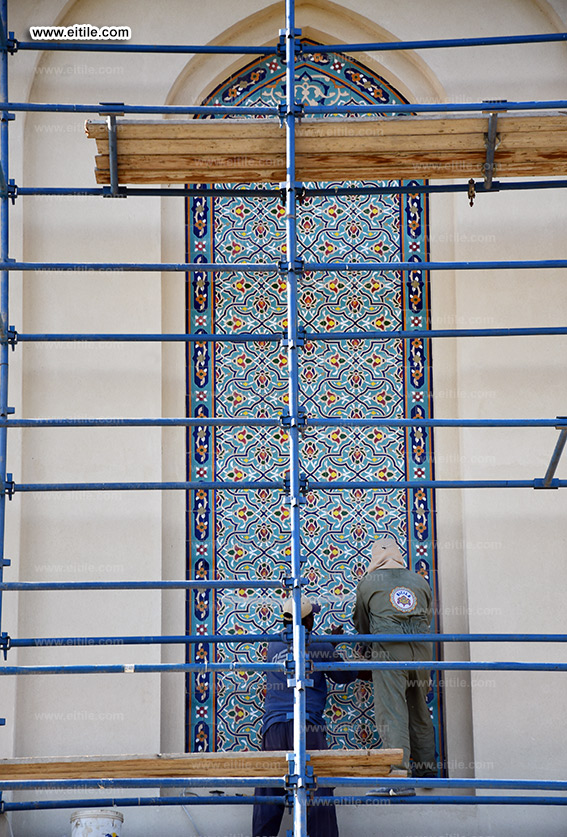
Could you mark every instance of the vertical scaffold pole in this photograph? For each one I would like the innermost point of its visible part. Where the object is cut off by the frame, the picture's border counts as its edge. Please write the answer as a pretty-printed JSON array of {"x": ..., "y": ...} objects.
[
  {"x": 4, "y": 281},
  {"x": 299, "y": 715}
]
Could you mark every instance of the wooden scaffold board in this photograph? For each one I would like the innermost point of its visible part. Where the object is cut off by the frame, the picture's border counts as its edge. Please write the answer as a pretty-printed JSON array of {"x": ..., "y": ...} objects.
[
  {"x": 331, "y": 763},
  {"x": 404, "y": 147}
]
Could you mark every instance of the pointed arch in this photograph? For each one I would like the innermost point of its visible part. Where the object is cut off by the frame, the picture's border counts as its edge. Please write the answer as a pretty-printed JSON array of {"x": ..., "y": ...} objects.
[{"x": 245, "y": 534}]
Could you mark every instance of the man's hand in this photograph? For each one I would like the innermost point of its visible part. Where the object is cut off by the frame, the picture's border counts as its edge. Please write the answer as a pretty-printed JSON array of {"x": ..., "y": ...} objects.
[{"x": 336, "y": 629}]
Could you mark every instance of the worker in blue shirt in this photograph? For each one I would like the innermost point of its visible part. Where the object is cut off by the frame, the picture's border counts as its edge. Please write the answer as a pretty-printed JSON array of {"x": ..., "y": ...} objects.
[{"x": 277, "y": 726}]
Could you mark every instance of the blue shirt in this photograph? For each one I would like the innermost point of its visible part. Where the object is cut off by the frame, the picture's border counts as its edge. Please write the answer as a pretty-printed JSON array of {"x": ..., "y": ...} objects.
[{"x": 278, "y": 705}]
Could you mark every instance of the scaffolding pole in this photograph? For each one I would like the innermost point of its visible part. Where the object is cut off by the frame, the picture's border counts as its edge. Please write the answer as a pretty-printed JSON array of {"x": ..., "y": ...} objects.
[
  {"x": 298, "y": 783},
  {"x": 297, "y": 677},
  {"x": 4, "y": 288}
]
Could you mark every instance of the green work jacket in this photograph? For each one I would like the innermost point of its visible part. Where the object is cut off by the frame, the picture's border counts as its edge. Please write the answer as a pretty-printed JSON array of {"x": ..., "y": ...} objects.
[{"x": 395, "y": 601}]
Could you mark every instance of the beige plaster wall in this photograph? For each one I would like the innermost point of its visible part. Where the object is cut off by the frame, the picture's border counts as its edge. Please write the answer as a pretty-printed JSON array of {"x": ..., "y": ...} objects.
[{"x": 502, "y": 554}]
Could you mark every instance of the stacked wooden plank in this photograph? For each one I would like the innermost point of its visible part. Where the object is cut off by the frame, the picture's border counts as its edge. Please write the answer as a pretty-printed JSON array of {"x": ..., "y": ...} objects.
[
  {"x": 403, "y": 147},
  {"x": 332, "y": 763}
]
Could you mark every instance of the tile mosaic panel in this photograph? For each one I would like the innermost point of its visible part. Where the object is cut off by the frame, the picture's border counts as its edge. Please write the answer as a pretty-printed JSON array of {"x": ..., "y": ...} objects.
[{"x": 246, "y": 533}]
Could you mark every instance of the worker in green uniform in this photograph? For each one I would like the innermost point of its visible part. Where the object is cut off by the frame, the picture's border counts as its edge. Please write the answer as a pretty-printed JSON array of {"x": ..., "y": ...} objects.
[{"x": 392, "y": 599}]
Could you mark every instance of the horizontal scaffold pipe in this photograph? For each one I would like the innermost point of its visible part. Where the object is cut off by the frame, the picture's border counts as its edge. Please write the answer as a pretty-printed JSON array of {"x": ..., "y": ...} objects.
[
  {"x": 439, "y": 43},
  {"x": 244, "y": 337},
  {"x": 142, "y": 422},
  {"x": 447, "y": 107},
  {"x": 178, "y": 192},
  {"x": 427, "y": 422},
  {"x": 425, "y": 665},
  {"x": 390, "y": 484},
  {"x": 345, "y": 665},
  {"x": 267, "y": 337},
  {"x": 162, "y": 782},
  {"x": 382, "y": 485},
  {"x": 414, "y": 782},
  {"x": 263, "y": 267},
  {"x": 120, "y": 110},
  {"x": 87, "y": 641},
  {"x": 440, "y": 800},
  {"x": 265, "y": 781},
  {"x": 431, "y": 637},
  {"x": 139, "y": 801},
  {"x": 432, "y": 189},
  {"x": 159, "y": 267},
  {"x": 193, "y": 584},
  {"x": 276, "y": 422},
  {"x": 275, "y": 194},
  {"x": 306, "y": 49},
  {"x": 146, "y": 486},
  {"x": 59, "y": 46},
  {"x": 103, "y": 802},
  {"x": 224, "y": 110},
  {"x": 46, "y": 642},
  {"x": 145, "y": 668},
  {"x": 431, "y": 333}
]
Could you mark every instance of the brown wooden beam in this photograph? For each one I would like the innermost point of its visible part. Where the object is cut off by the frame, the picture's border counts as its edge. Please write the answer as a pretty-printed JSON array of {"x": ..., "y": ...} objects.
[
  {"x": 230, "y": 151},
  {"x": 332, "y": 763}
]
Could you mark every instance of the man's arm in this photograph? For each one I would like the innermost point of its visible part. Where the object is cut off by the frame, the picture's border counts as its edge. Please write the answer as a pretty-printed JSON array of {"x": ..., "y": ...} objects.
[
  {"x": 326, "y": 653},
  {"x": 360, "y": 616}
]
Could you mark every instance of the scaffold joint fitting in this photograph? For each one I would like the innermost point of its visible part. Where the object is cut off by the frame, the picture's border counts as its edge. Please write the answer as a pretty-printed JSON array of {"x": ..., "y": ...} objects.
[
  {"x": 9, "y": 486},
  {"x": 298, "y": 420},
  {"x": 281, "y": 46},
  {"x": 12, "y": 44},
  {"x": 299, "y": 342},
  {"x": 12, "y": 191},
  {"x": 108, "y": 109},
  {"x": 297, "y": 110},
  {"x": 541, "y": 483},
  {"x": 293, "y": 780},
  {"x": 288, "y": 267},
  {"x": 5, "y": 643},
  {"x": 12, "y": 337}
]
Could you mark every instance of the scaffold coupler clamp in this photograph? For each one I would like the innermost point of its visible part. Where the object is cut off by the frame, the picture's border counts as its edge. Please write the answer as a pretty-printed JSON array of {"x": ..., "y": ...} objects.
[
  {"x": 298, "y": 343},
  {"x": 303, "y": 486},
  {"x": 5, "y": 644},
  {"x": 9, "y": 486},
  {"x": 281, "y": 46},
  {"x": 472, "y": 191},
  {"x": 294, "y": 781},
  {"x": 285, "y": 267},
  {"x": 12, "y": 191},
  {"x": 12, "y": 337},
  {"x": 11, "y": 44},
  {"x": 297, "y": 110}
]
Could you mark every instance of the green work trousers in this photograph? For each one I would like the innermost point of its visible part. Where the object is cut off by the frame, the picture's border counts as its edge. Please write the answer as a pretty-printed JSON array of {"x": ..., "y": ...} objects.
[{"x": 402, "y": 715}]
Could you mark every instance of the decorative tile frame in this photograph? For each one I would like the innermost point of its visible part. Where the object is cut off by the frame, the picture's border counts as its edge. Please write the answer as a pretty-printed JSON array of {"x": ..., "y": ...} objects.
[{"x": 246, "y": 534}]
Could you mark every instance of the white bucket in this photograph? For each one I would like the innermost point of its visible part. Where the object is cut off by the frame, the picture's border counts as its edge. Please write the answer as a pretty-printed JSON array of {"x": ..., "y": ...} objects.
[{"x": 96, "y": 822}]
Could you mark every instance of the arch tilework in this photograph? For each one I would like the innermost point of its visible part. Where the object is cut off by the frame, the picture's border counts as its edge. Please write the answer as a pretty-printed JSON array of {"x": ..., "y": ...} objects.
[{"x": 246, "y": 534}]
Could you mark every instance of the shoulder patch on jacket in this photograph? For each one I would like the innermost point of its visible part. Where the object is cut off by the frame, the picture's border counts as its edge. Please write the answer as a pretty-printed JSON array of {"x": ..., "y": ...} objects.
[{"x": 403, "y": 599}]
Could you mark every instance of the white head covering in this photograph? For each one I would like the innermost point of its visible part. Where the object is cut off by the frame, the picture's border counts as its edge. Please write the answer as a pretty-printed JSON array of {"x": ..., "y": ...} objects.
[
  {"x": 307, "y": 606},
  {"x": 386, "y": 555}
]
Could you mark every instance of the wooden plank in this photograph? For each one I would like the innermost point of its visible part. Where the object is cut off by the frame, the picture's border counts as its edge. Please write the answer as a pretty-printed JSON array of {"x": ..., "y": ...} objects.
[
  {"x": 352, "y": 763},
  {"x": 310, "y": 145},
  {"x": 347, "y": 128},
  {"x": 329, "y": 145},
  {"x": 229, "y": 151},
  {"x": 269, "y": 168}
]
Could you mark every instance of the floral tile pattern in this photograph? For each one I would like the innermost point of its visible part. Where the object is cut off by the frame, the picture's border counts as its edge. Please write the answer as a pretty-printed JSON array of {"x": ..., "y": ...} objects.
[{"x": 245, "y": 534}]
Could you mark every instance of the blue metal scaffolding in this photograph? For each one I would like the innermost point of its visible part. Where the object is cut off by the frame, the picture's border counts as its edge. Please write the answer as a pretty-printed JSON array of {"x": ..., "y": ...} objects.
[{"x": 298, "y": 781}]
